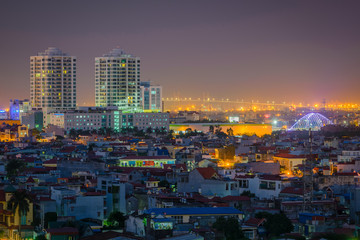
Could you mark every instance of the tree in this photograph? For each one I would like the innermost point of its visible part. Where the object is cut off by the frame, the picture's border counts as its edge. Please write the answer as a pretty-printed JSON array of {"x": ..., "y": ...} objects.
[
  {"x": 149, "y": 130},
  {"x": 181, "y": 134},
  {"x": 211, "y": 129},
  {"x": 91, "y": 147},
  {"x": 35, "y": 132},
  {"x": 170, "y": 135},
  {"x": 230, "y": 132},
  {"x": 276, "y": 224},
  {"x": 73, "y": 133},
  {"x": 219, "y": 132},
  {"x": 157, "y": 131},
  {"x": 49, "y": 217},
  {"x": 163, "y": 131},
  {"x": 331, "y": 236},
  {"x": 59, "y": 138},
  {"x": 20, "y": 202},
  {"x": 124, "y": 130},
  {"x": 14, "y": 167},
  {"x": 230, "y": 227},
  {"x": 164, "y": 183},
  {"x": 102, "y": 131},
  {"x": 116, "y": 220},
  {"x": 40, "y": 237},
  {"x": 109, "y": 132}
]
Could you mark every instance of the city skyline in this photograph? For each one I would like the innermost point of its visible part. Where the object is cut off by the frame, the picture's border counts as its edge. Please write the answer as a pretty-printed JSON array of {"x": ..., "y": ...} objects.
[{"x": 279, "y": 51}]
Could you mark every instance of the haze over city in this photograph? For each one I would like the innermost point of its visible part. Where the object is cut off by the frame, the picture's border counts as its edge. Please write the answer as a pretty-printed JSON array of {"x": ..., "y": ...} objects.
[{"x": 301, "y": 51}]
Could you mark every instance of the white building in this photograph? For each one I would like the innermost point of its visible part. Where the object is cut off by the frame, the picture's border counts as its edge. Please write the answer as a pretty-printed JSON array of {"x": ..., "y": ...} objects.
[
  {"x": 89, "y": 119},
  {"x": 348, "y": 156},
  {"x": 68, "y": 203},
  {"x": 145, "y": 120},
  {"x": 117, "y": 81},
  {"x": 53, "y": 80},
  {"x": 151, "y": 96},
  {"x": 263, "y": 186},
  {"x": 97, "y": 118}
]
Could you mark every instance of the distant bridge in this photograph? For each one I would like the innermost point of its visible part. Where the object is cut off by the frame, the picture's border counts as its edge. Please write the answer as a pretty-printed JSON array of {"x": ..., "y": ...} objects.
[
  {"x": 222, "y": 104},
  {"x": 210, "y": 104}
]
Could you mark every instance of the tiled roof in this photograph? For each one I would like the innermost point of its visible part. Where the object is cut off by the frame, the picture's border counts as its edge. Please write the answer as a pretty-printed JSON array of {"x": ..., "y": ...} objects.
[
  {"x": 292, "y": 190},
  {"x": 270, "y": 177},
  {"x": 256, "y": 222},
  {"x": 30, "y": 180},
  {"x": 103, "y": 236},
  {"x": 147, "y": 157},
  {"x": 51, "y": 161},
  {"x": 346, "y": 174},
  {"x": 93, "y": 194},
  {"x": 207, "y": 173},
  {"x": 63, "y": 231},
  {"x": 244, "y": 176},
  {"x": 288, "y": 155},
  {"x": 151, "y": 179},
  {"x": 177, "y": 166},
  {"x": 195, "y": 211},
  {"x": 235, "y": 198}
]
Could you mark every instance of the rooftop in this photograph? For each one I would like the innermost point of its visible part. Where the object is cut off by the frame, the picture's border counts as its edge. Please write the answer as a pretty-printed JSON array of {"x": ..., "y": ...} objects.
[{"x": 195, "y": 211}]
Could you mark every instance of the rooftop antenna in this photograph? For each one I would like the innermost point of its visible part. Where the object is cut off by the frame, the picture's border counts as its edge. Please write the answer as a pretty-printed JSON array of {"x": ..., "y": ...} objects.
[{"x": 308, "y": 178}]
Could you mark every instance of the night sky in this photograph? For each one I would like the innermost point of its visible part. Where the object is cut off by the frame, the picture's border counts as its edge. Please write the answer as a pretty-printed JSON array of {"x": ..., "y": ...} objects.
[{"x": 267, "y": 50}]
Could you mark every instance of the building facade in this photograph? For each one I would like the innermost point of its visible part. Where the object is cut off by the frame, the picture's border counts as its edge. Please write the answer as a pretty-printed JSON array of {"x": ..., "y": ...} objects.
[
  {"x": 97, "y": 118},
  {"x": 53, "y": 80},
  {"x": 91, "y": 119},
  {"x": 18, "y": 108},
  {"x": 151, "y": 97},
  {"x": 117, "y": 81}
]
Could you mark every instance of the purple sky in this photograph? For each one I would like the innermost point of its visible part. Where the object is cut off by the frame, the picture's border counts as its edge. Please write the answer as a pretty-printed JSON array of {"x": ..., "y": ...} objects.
[{"x": 266, "y": 50}]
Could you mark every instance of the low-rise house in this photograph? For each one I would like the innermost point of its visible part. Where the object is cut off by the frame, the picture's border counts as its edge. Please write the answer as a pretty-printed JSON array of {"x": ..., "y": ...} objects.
[
  {"x": 289, "y": 161},
  {"x": 191, "y": 182},
  {"x": 292, "y": 209},
  {"x": 264, "y": 186},
  {"x": 203, "y": 216},
  {"x": 115, "y": 192},
  {"x": 10, "y": 220},
  {"x": 62, "y": 233},
  {"x": 253, "y": 228}
]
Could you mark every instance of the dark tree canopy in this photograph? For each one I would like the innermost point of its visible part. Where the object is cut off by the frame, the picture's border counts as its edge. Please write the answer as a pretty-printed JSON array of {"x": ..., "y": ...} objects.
[
  {"x": 116, "y": 220},
  {"x": 230, "y": 227},
  {"x": 49, "y": 217},
  {"x": 14, "y": 167},
  {"x": 276, "y": 224}
]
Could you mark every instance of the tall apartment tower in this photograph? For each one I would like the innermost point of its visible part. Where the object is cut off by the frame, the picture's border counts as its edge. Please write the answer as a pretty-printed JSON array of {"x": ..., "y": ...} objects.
[
  {"x": 151, "y": 97},
  {"x": 117, "y": 81},
  {"x": 53, "y": 80}
]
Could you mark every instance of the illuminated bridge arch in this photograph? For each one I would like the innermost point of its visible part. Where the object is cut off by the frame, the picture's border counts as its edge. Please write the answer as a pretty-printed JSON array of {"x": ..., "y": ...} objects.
[{"x": 315, "y": 121}]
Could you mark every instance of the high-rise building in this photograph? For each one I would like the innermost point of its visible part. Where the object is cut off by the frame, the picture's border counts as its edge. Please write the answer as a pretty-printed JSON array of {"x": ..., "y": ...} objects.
[
  {"x": 117, "y": 81},
  {"x": 53, "y": 80},
  {"x": 151, "y": 96}
]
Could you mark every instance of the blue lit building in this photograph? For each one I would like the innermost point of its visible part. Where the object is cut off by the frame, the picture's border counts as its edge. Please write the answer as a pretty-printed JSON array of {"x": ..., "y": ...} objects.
[
  {"x": 3, "y": 114},
  {"x": 18, "y": 107}
]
